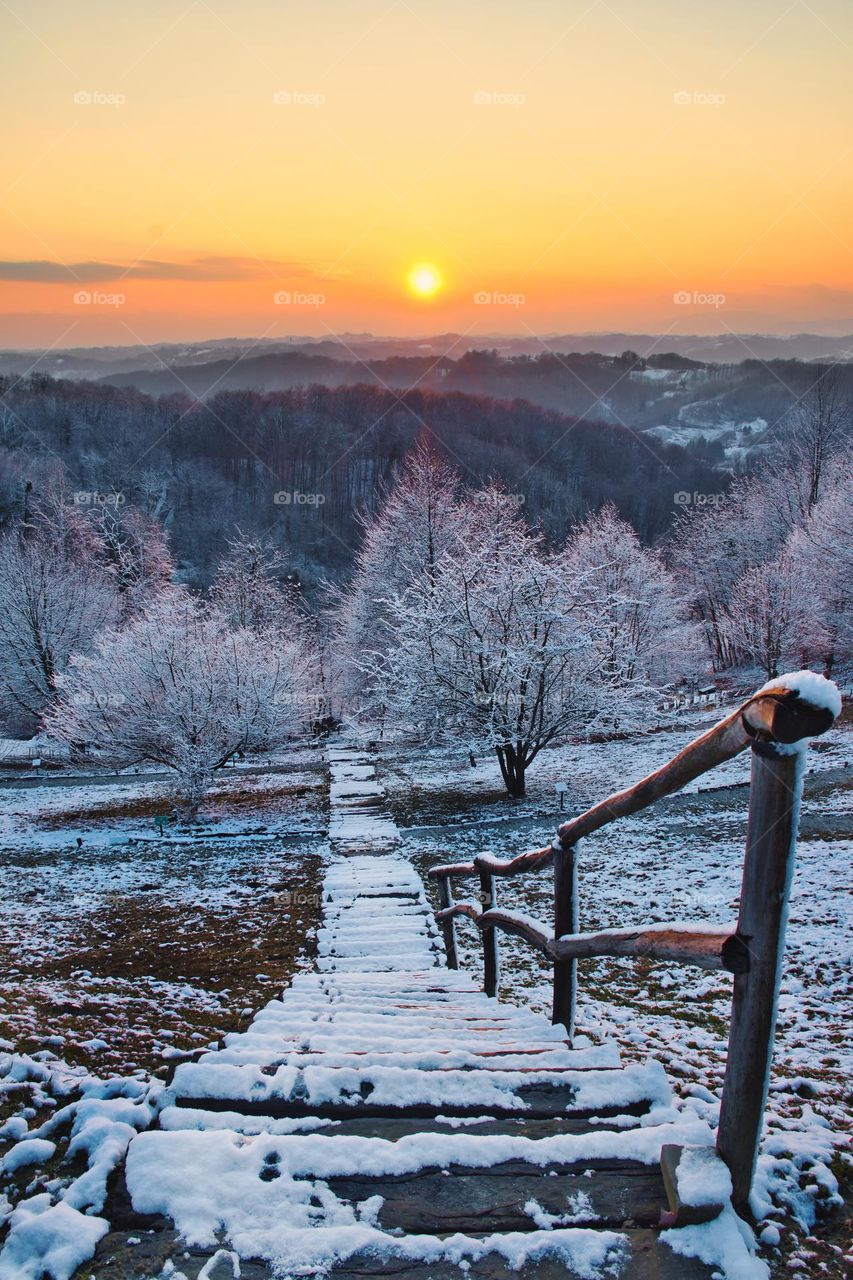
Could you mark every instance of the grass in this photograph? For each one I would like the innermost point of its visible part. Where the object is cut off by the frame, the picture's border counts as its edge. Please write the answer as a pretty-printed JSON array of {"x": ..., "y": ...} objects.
[{"x": 218, "y": 803}]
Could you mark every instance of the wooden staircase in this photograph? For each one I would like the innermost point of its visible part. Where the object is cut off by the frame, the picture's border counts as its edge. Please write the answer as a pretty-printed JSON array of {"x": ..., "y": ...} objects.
[{"x": 386, "y": 1118}]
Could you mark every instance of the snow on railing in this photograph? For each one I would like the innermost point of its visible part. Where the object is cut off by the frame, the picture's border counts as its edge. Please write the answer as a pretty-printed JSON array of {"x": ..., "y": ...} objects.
[{"x": 775, "y": 723}]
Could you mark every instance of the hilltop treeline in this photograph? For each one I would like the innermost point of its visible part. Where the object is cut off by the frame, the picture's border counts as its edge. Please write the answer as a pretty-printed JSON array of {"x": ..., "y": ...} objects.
[{"x": 301, "y": 464}]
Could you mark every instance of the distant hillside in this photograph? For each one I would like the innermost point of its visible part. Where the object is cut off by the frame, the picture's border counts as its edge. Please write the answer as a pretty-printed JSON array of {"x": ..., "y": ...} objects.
[
  {"x": 727, "y": 348},
  {"x": 729, "y": 413},
  {"x": 302, "y": 463}
]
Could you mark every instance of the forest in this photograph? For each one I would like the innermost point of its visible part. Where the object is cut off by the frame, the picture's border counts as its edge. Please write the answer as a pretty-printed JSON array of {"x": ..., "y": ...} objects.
[{"x": 301, "y": 465}]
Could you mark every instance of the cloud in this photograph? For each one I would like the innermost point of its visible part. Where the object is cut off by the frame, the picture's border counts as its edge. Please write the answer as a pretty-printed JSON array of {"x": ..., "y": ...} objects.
[{"x": 204, "y": 270}]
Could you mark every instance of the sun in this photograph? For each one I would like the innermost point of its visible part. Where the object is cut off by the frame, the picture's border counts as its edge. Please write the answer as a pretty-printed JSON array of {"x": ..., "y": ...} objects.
[{"x": 425, "y": 280}]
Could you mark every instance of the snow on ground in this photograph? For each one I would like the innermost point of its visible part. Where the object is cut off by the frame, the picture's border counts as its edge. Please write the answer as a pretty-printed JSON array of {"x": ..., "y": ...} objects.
[
  {"x": 118, "y": 959},
  {"x": 680, "y": 860}
]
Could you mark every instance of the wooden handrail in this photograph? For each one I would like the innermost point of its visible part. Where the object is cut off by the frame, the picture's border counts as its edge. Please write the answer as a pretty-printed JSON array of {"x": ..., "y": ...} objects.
[
  {"x": 702, "y": 945},
  {"x": 469, "y": 909},
  {"x": 771, "y": 715},
  {"x": 770, "y": 722},
  {"x": 451, "y": 869},
  {"x": 705, "y": 946}
]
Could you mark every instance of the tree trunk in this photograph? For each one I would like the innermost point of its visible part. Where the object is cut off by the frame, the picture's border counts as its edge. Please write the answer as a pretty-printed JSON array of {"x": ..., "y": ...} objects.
[
  {"x": 513, "y": 765},
  {"x": 193, "y": 784}
]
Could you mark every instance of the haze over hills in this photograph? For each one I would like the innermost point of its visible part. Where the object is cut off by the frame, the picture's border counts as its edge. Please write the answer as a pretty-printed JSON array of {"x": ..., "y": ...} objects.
[
  {"x": 726, "y": 348},
  {"x": 728, "y": 408}
]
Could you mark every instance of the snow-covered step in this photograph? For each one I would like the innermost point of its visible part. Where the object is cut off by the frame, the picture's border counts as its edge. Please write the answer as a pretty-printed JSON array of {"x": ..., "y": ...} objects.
[
  {"x": 285, "y": 1090},
  {"x": 392, "y": 1128},
  {"x": 316, "y": 1198},
  {"x": 359, "y": 818},
  {"x": 424, "y": 1059}
]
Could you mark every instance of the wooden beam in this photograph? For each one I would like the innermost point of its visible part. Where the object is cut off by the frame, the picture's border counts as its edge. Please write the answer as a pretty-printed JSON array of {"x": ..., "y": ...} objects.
[
  {"x": 509, "y": 922},
  {"x": 682, "y": 1213},
  {"x": 451, "y": 869},
  {"x": 469, "y": 909},
  {"x": 448, "y": 923},
  {"x": 490, "y": 937},
  {"x": 534, "y": 860},
  {"x": 709, "y": 949},
  {"x": 767, "y": 871},
  {"x": 564, "y": 994}
]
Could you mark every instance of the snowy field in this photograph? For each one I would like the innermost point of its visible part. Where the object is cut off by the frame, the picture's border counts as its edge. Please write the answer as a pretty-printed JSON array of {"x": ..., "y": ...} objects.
[
  {"x": 681, "y": 860},
  {"x": 124, "y": 954}
]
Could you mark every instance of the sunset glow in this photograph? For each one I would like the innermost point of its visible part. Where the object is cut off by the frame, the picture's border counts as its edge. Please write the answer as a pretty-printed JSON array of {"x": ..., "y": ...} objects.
[
  {"x": 424, "y": 280},
  {"x": 599, "y": 160}
]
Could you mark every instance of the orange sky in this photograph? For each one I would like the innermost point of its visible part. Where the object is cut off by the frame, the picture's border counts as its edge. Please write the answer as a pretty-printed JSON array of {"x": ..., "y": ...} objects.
[{"x": 171, "y": 170}]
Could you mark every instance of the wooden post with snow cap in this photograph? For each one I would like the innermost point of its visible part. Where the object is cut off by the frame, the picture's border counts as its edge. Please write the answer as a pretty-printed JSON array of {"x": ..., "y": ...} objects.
[
  {"x": 804, "y": 706},
  {"x": 565, "y": 921},
  {"x": 448, "y": 923},
  {"x": 488, "y": 900}
]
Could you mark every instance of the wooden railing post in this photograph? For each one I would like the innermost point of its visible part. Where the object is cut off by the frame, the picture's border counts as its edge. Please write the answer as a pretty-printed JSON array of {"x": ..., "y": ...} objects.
[
  {"x": 774, "y": 801},
  {"x": 448, "y": 924},
  {"x": 488, "y": 899},
  {"x": 565, "y": 921}
]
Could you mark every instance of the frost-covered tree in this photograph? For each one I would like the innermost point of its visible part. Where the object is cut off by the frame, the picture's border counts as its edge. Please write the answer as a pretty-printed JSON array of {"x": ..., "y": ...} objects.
[
  {"x": 821, "y": 553},
  {"x": 763, "y": 613},
  {"x": 250, "y": 586},
  {"x": 134, "y": 551},
  {"x": 254, "y": 590},
  {"x": 628, "y": 600},
  {"x": 54, "y": 602},
  {"x": 814, "y": 435},
  {"x": 415, "y": 524},
  {"x": 178, "y": 687},
  {"x": 718, "y": 549},
  {"x": 488, "y": 645}
]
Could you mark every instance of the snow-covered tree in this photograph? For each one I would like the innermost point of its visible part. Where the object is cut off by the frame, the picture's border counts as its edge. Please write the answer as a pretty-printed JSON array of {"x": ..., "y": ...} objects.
[
  {"x": 821, "y": 553},
  {"x": 250, "y": 585},
  {"x": 488, "y": 646},
  {"x": 628, "y": 600},
  {"x": 814, "y": 435},
  {"x": 179, "y": 687},
  {"x": 254, "y": 590},
  {"x": 134, "y": 551},
  {"x": 718, "y": 549},
  {"x": 763, "y": 613},
  {"x": 52, "y": 605},
  {"x": 415, "y": 524}
]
